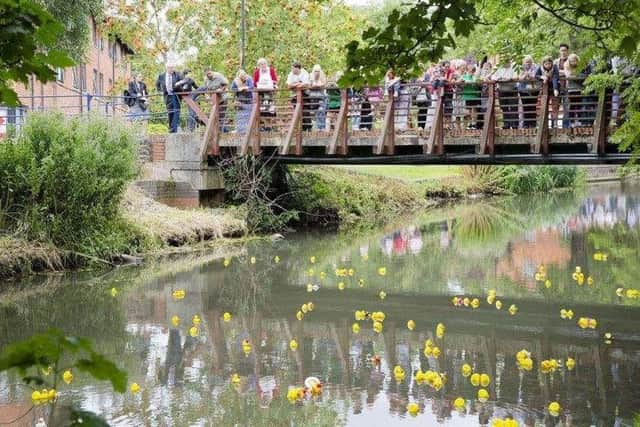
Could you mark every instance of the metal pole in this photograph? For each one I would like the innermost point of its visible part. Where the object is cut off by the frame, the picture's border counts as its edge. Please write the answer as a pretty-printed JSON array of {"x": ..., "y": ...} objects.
[{"x": 243, "y": 33}]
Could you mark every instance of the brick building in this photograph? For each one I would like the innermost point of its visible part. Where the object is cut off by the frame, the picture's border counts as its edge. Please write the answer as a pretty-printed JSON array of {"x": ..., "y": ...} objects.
[{"x": 84, "y": 87}]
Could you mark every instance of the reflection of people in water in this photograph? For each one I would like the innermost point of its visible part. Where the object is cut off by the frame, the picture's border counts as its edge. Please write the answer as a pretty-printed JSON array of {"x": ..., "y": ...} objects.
[
  {"x": 172, "y": 373},
  {"x": 415, "y": 241},
  {"x": 399, "y": 243},
  {"x": 446, "y": 233}
]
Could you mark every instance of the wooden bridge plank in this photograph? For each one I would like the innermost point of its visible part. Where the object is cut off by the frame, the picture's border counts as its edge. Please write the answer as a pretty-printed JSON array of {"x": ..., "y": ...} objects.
[
  {"x": 294, "y": 128},
  {"x": 210, "y": 145},
  {"x": 601, "y": 126},
  {"x": 388, "y": 130},
  {"x": 340, "y": 133},
  {"x": 252, "y": 138},
  {"x": 435, "y": 142},
  {"x": 542, "y": 138},
  {"x": 487, "y": 139}
]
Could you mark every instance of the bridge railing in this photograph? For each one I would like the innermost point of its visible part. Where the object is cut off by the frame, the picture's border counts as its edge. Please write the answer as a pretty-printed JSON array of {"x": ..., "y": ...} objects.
[{"x": 430, "y": 115}]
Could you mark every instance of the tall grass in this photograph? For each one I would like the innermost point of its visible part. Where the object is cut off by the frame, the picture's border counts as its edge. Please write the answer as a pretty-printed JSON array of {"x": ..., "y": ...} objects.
[
  {"x": 62, "y": 180},
  {"x": 518, "y": 179}
]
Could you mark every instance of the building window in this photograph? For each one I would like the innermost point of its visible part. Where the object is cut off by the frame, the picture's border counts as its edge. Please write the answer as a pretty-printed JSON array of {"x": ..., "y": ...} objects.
[
  {"x": 75, "y": 77},
  {"x": 110, "y": 47},
  {"x": 83, "y": 78},
  {"x": 101, "y": 43},
  {"x": 60, "y": 74},
  {"x": 101, "y": 84},
  {"x": 94, "y": 82}
]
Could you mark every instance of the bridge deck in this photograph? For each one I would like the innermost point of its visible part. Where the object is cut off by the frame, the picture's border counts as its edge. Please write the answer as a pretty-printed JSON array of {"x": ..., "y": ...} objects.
[{"x": 525, "y": 128}]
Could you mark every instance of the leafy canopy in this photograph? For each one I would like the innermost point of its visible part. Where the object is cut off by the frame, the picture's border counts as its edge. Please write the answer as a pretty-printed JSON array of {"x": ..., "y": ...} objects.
[{"x": 28, "y": 37}]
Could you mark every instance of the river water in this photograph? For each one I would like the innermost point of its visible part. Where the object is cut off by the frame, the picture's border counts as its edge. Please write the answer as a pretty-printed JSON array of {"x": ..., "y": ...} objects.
[{"x": 466, "y": 250}]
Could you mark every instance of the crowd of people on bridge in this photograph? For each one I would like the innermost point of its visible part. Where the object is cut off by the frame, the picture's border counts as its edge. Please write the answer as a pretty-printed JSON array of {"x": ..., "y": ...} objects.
[{"x": 465, "y": 86}]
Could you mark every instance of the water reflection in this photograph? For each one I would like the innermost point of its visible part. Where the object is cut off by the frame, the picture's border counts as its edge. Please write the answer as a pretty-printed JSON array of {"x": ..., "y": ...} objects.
[{"x": 466, "y": 250}]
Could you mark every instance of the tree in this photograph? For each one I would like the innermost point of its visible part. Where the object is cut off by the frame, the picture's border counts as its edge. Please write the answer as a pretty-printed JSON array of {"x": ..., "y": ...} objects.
[
  {"x": 428, "y": 29},
  {"x": 28, "y": 35},
  {"x": 203, "y": 34}
]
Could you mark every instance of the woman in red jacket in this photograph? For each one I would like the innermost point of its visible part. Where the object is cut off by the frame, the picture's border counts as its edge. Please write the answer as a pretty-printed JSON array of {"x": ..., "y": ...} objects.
[{"x": 265, "y": 78}]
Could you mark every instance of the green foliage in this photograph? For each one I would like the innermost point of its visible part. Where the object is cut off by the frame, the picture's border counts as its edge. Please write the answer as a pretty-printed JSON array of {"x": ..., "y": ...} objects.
[
  {"x": 248, "y": 182},
  {"x": 337, "y": 197},
  {"x": 54, "y": 350},
  {"x": 28, "y": 37},
  {"x": 74, "y": 17},
  {"x": 517, "y": 179},
  {"x": 157, "y": 129},
  {"x": 207, "y": 34},
  {"x": 62, "y": 181}
]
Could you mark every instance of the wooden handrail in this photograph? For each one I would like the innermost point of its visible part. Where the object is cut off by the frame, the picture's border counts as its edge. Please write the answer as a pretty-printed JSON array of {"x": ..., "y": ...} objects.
[
  {"x": 542, "y": 137},
  {"x": 252, "y": 137},
  {"x": 294, "y": 128},
  {"x": 601, "y": 126},
  {"x": 211, "y": 137},
  {"x": 385, "y": 143},
  {"x": 435, "y": 142},
  {"x": 487, "y": 139},
  {"x": 341, "y": 132}
]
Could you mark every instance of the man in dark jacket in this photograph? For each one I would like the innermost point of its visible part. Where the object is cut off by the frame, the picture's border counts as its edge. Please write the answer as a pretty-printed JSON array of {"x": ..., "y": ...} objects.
[
  {"x": 137, "y": 98},
  {"x": 167, "y": 84}
]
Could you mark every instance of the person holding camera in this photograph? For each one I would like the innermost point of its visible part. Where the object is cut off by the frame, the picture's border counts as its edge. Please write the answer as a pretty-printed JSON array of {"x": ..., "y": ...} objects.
[{"x": 136, "y": 99}]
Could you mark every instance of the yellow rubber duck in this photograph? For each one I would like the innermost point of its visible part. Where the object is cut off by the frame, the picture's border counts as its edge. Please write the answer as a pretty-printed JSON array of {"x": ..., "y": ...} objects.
[
  {"x": 299, "y": 315},
  {"x": 323, "y": 275},
  {"x": 475, "y": 303},
  {"x": 226, "y": 262},
  {"x": 435, "y": 352},
  {"x": 246, "y": 347},
  {"x": 312, "y": 259},
  {"x": 361, "y": 282},
  {"x": 67, "y": 376},
  {"x": 378, "y": 316},
  {"x": 293, "y": 345},
  {"x": 179, "y": 294},
  {"x": 355, "y": 328},
  {"x": 459, "y": 404},
  {"x": 475, "y": 380},
  {"x": 413, "y": 409},
  {"x": 382, "y": 271},
  {"x": 547, "y": 284},
  {"x": 226, "y": 317},
  {"x": 466, "y": 370},
  {"x": 304, "y": 308},
  {"x": 341, "y": 286},
  {"x": 175, "y": 320},
  {"x": 570, "y": 363},
  {"x": 411, "y": 325},
  {"x": 195, "y": 320},
  {"x": 440, "y": 330},
  {"x": 252, "y": 260},
  {"x": 398, "y": 373},
  {"x": 382, "y": 294},
  {"x": 351, "y": 272},
  {"x": 193, "y": 331},
  {"x": 483, "y": 395},
  {"x": 114, "y": 292},
  {"x": 377, "y": 326},
  {"x": 513, "y": 309},
  {"x": 135, "y": 388},
  {"x": 276, "y": 259},
  {"x": 498, "y": 305},
  {"x": 360, "y": 315},
  {"x": 235, "y": 379},
  {"x": 485, "y": 380},
  {"x": 310, "y": 306},
  {"x": 554, "y": 409}
]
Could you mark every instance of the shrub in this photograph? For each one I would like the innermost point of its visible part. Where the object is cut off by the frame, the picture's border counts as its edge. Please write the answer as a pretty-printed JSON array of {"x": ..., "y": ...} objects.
[
  {"x": 62, "y": 180},
  {"x": 518, "y": 179}
]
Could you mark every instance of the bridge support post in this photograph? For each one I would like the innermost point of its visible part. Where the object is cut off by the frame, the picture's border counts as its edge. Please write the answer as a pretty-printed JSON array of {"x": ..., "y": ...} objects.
[
  {"x": 252, "y": 138},
  {"x": 601, "y": 126},
  {"x": 488, "y": 137},
  {"x": 340, "y": 137},
  {"x": 542, "y": 137},
  {"x": 294, "y": 128},
  {"x": 435, "y": 142},
  {"x": 386, "y": 141},
  {"x": 211, "y": 138}
]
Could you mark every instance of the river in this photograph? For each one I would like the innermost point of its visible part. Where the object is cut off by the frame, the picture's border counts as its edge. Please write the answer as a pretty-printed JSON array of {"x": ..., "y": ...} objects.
[{"x": 465, "y": 250}]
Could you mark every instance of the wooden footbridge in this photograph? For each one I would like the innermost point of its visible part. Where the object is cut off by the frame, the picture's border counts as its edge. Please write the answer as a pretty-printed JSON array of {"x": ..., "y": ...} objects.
[{"x": 492, "y": 127}]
